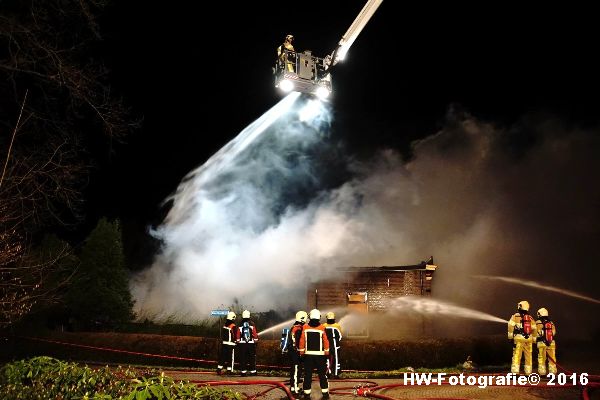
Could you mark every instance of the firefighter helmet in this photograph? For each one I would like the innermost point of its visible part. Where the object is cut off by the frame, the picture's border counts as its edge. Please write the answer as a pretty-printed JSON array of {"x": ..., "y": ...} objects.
[
  {"x": 315, "y": 314},
  {"x": 542, "y": 312},
  {"x": 246, "y": 314},
  {"x": 523, "y": 305},
  {"x": 330, "y": 315},
  {"x": 289, "y": 37},
  {"x": 231, "y": 315},
  {"x": 301, "y": 316}
]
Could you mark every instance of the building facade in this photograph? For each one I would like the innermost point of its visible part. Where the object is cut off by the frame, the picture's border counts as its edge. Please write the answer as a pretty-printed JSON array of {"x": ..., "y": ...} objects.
[{"x": 364, "y": 290}]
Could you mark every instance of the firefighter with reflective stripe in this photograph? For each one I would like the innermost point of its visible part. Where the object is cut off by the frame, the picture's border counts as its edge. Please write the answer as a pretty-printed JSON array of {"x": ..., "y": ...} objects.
[
  {"x": 291, "y": 348},
  {"x": 246, "y": 338},
  {"x": 286, "y": 54},
  {"x": 522, "y": 331},
  {"x": 546, "y": 345},
  {"x": 314, "y": 348},
  {"x": 228, "y": 339},
  {"x": 334, "y": 335}
]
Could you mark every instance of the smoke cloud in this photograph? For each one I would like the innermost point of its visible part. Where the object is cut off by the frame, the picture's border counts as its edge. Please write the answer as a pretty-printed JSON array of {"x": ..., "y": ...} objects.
[{"x": 258, "y": 220}]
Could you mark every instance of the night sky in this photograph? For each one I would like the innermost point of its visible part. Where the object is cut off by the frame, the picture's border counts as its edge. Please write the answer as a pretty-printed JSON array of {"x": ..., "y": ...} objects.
[{"x": 198, "y": 76}]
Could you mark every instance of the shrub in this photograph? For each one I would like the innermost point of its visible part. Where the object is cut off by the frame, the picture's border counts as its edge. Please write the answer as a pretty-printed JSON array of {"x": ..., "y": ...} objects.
[
  {"x": 45, "y": 378},
  {"x": 49, "y": 378}
]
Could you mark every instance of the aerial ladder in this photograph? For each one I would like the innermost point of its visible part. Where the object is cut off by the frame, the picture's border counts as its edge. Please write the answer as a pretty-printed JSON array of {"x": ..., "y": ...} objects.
[{"x": 306, "y": 73}]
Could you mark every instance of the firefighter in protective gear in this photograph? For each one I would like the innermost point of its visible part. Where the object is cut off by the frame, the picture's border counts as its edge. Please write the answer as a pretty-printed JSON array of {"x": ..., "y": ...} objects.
[
  {"x": 546, "y": 332},
  {"x": 314, "y": 347},
  {"x": 246, "y": 339},
  {"x": 286, "y": 54},
  {"x": 522, "y": 331},
  {"x": 334, "y": 335},
  {"x": 228, "y": 339},
  {"x": 291, "y": 348}
]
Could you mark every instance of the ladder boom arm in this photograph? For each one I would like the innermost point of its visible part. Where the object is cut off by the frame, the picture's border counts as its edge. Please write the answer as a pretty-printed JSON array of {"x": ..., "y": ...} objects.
[{"x": 352, "y": 33}]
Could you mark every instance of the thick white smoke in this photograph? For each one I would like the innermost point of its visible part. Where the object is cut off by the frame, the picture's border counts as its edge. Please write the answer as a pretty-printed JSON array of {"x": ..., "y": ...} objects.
[
  {"x": 480, "y": 198},
  {"x": 233, "y": 232}
]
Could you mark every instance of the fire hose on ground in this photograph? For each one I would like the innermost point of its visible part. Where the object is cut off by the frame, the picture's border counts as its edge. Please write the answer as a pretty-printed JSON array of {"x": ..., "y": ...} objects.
[{"x": 366, "y": 389}]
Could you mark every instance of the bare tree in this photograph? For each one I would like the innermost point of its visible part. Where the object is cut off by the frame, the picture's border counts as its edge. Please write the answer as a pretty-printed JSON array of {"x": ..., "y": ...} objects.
[
  {"x": 49, "y": 47},
  {"x": 48, "y": 51},
  {"x": 34, "y": 188}
]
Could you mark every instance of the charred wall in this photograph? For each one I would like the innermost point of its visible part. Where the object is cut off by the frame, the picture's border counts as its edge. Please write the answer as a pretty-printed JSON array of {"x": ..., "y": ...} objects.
[{"x": 381, "y": 286}]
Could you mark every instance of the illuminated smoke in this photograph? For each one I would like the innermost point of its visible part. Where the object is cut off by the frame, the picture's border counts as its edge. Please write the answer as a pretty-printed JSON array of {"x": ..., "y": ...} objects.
[
  {"x": 255, "y": 223},
  {"x": 233, "y": 231}
]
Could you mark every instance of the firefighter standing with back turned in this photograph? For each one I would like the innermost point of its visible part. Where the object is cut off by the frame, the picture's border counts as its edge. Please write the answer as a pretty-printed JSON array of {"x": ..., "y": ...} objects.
[
  {"x": 291, "y": 347},
  {"x": 522, "y": 331},
  {"x": 546, "y": 331},
  {"x": 314, "y": 347},
  {"x": 334, "y": 335},
  {"x": 228, "y": 339},
  {"x": 246, "y": 339}
]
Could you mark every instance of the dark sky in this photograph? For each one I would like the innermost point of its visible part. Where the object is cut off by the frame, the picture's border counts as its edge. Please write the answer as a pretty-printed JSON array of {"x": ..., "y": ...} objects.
[{"x": 198, "y": 77}]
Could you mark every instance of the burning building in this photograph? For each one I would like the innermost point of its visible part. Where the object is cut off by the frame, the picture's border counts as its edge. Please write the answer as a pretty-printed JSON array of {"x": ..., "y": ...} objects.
[{"x": 362, "y": 290}]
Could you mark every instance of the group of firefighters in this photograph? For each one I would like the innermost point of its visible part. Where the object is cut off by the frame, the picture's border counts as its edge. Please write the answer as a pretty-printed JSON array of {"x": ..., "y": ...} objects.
[
  {"x": 313, "y": 346},
  {"x": 240, "y": 340},
  {"x": 310, "y": 345},
  {"x": 523, "y": 331}
]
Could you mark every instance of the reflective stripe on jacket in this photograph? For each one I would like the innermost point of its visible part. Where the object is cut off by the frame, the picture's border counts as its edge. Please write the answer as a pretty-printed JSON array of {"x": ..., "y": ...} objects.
[
  {"x": 314, "y": 341},
  {"x": 228, "y": 334}
]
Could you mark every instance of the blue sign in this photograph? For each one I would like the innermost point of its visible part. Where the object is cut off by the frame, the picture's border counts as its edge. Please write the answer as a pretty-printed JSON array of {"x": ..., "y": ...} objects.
[{"x": 219, "y": 313}]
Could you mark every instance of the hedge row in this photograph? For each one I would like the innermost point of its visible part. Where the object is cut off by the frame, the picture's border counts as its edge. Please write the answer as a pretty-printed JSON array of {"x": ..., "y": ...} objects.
[{"x": 355, "y": 354}]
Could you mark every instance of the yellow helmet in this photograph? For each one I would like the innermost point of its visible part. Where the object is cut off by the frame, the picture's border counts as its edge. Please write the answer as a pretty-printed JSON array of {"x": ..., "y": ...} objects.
[
  {"x": 246, "y": 314},
  {"x": 542, "y": 312},
  {"x": 301, "y": 316},
  {"x": 523, "y": 305},
  {"x": 289, "y": 37},
  {"x": 330, "y": 315},
  {"x": 231, "y": 315}
]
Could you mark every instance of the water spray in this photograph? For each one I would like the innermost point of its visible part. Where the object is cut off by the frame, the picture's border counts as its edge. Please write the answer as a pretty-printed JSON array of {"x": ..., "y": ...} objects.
[
  {"x": 436, "y": 307},
  {"x": 288, "y": 323},
  {"x": 538, "y": 285},
  {"x": 223, "y": 159},
  {"x": 281, "y": 325},
  {"x": 226, "y": 215}
]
